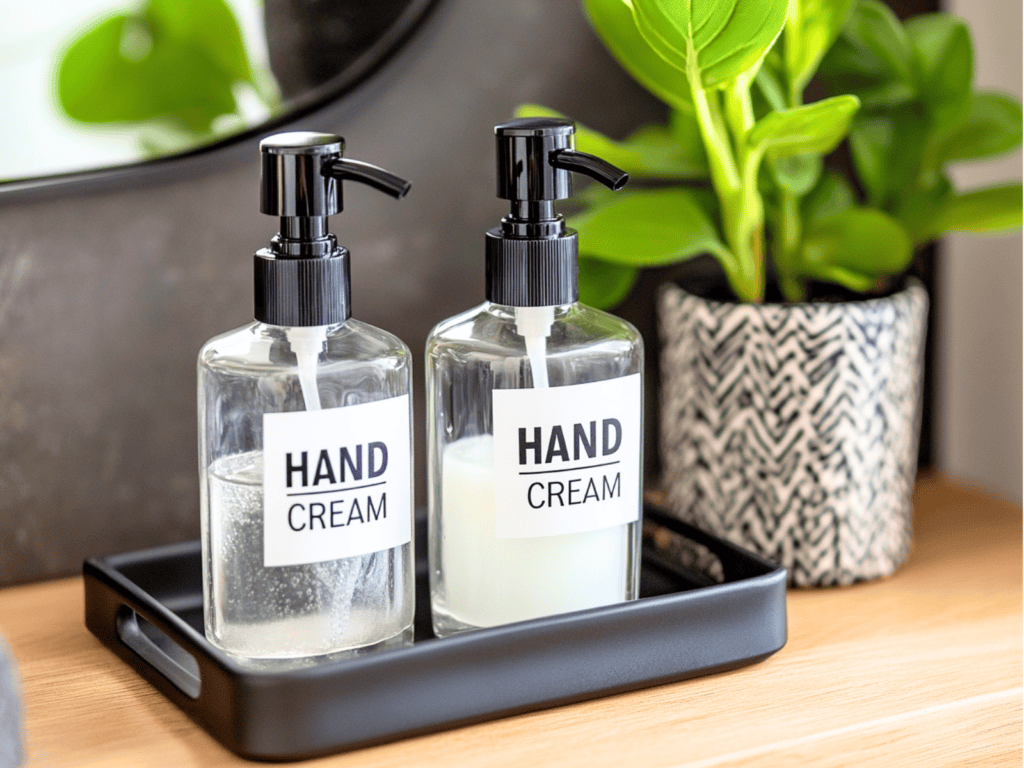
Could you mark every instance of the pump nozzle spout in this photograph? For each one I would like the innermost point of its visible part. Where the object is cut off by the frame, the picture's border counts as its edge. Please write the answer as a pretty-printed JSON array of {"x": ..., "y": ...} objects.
[
  {"x": 589, "y": 165},
  {"x": 344, "y": 169}
]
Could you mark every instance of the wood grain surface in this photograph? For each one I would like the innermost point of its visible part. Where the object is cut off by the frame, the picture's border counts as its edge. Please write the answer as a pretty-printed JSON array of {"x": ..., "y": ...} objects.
[{"x": 921, "y": 669}]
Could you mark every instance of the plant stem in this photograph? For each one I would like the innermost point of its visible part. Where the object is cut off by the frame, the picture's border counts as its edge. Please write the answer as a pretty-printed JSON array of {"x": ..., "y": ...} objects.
[
  {"x": 789, "y": 225},
  {"x": 749, "y": 226},
  {"x": 788, "y": 228},
  {"x": 740, "y": 111},
  {"x": 725, "y": 178},
  {"x": 741, "y": 217},
  {"x": 791, "y": 50},
  {"x": 724, "y": 174}
]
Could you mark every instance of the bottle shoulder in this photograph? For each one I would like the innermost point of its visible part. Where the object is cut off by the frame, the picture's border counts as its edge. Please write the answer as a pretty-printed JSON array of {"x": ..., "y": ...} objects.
[
  {"x": 607, "y": 324},
  {"x": 260, "y": 346},
  {"x": 458, "y": 326},
  {"x": 356, "y": 336},
  {"x": 492, "y": 329},
  {"x": 234, "y": 342}
]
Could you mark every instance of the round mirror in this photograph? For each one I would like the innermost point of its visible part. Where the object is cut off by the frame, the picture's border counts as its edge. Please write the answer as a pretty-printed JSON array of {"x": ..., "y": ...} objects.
[{"x": 101, "y": 84}]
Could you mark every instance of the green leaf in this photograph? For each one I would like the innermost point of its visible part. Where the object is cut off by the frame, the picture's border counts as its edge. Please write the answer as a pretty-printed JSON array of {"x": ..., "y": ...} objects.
[
  {"x": 614, "y": 23},
  {"x": 872, "y": 58},
  {"x": 853, "y": 245},
  {"x": 653, "y": 152},
  {"x": 665, "y": 155},
  {"x": 944, "y": 66},
  {"x": 169, "y": 61},
  {"x": 992, "y": 126},
  {"x": 830, "y": 195},
  {"x": 849, "y": 68},
  {"x": 604, "y": 285},
  {"x": 875, "y": 27},
  {"x": 845, "y": 71},
  {"x": 93, "y": 58},
  {"x": 210, "y": 26},
  {"x": 728, "y": 38},
  {"x": 992, "y": 210},
  {"x": 814, "y": 128},
  {"x": 647, "y": 229},
  {"x": 917, "y": 207},
  {"x": 813, "y": 27},
  {"x": 887, "y": 150},
  {"x": 870, "y": 141}
]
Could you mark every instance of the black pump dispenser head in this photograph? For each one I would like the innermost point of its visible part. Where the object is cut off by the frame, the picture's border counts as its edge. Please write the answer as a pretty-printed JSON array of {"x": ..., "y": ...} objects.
[
  {"x": 532, "y": 257},
  {"x": 302, "y": 279}
]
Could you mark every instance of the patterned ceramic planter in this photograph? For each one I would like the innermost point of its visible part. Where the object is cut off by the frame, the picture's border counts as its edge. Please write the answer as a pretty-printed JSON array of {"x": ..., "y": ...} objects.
[{"x": 793, "y": 429}]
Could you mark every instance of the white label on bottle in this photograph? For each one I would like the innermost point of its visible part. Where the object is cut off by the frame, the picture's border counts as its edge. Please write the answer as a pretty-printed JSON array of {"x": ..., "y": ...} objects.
[
  {"x": 567, "y": 459},
  {"x": 336, "y": 483}
]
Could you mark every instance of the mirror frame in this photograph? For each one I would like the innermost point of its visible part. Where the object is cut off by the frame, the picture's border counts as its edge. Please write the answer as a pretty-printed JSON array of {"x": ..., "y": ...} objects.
[{"x": 237, "y": 145}]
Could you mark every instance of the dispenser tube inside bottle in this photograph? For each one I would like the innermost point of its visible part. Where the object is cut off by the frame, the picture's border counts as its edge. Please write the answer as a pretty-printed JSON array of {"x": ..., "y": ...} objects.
[
  {"x": 307, "y": 343},
  {"x": 534, "y": 325}
]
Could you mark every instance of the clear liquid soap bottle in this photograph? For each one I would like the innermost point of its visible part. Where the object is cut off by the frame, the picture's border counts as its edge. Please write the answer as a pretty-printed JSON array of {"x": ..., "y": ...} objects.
[
  {"x": 534, "y": 415},
  {"x": 305, "y": 440}
]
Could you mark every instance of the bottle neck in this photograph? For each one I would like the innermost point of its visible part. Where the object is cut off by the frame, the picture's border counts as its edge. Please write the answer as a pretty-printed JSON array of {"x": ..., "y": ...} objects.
[{"x": 508, "y": 312}]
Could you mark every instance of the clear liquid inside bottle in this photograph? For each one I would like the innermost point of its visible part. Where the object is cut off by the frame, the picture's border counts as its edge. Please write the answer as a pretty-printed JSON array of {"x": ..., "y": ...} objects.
[{"x": 290, "y": 616}]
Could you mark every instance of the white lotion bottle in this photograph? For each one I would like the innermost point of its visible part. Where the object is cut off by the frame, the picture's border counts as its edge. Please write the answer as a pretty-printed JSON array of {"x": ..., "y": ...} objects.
[
  {"x": 534, "y": 415},
  {"x": 305, "y": 441}
]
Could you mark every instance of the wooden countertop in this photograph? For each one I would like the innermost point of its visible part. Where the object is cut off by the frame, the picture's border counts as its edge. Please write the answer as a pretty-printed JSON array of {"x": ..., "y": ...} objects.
[{"x": 923, "y": 669}]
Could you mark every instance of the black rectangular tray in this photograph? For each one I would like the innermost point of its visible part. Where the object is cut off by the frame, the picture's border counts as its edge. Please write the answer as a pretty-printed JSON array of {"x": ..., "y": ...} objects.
[{"x": 727, "y": 610}]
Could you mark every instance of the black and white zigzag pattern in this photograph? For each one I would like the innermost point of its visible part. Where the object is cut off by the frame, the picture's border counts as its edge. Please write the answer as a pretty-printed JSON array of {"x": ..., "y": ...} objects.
[{"x": 792, "y": 429}]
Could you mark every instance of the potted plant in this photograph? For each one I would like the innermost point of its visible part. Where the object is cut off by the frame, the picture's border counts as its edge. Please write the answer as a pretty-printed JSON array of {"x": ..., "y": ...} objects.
[{"x": 790, "y": 426}]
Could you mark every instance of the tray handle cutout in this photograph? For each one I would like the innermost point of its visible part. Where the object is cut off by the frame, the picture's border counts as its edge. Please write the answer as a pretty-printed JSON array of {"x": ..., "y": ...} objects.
[{"x": 158, "y": 650}]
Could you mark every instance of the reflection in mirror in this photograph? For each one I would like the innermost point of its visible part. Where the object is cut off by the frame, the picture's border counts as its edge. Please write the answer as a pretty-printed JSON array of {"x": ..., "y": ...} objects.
[{"x": 101, "y": 83}]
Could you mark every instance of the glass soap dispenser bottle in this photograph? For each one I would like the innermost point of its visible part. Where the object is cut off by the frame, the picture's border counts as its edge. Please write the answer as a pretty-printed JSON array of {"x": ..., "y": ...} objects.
[
  {"x": 534, "y": 415},
  {"x": 305, "y": 440}
]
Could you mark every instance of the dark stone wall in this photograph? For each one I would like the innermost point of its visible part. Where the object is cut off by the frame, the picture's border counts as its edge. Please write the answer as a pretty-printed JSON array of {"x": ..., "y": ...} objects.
[{"x": 107, "y": 296}]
